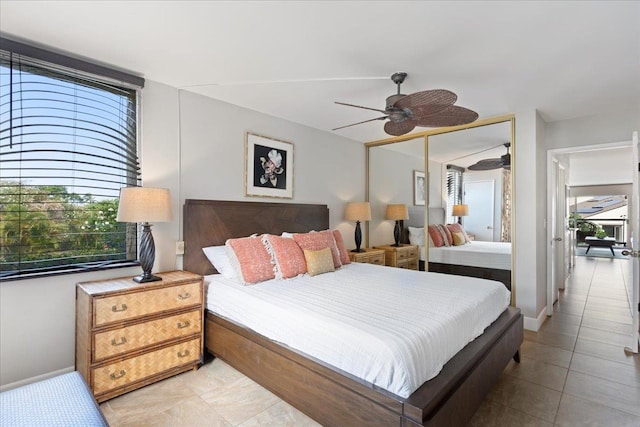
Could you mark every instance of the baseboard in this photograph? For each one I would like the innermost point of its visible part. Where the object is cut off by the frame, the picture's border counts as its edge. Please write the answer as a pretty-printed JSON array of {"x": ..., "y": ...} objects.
[
  {"x": 36, "y": 378},
  {"x": 532, "y": 324}
]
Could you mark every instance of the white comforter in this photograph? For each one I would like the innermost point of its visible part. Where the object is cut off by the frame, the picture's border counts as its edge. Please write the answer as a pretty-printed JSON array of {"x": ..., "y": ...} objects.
[
  {"x": 476, "y": 254},
  {"x": 392, "y": 327}
]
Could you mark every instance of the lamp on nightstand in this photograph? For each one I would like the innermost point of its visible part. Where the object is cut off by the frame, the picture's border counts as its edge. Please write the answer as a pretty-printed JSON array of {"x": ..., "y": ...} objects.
[
  {"x": 145, "y": 205},
  {"x": 460, "y": 211},
  {"x": 358, "y": 211},
  {"x": 397, "y": 212}
]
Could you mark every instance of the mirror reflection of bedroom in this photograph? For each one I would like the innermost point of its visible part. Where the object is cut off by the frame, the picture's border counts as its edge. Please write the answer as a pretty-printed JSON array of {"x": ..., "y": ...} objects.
[{"x": 466, "y": 204}]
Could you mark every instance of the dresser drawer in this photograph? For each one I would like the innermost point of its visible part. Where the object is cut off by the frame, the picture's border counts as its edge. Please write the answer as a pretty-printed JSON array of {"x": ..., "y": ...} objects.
[
  {"x": 412, "y": 252},
  {"x": 134, "y": 337},
  {"x": 128, "y": 306},
  {"x": 125, "y": 372},
  {"x": 376, "y": 259},
  {"x": 402, "y": 254}
]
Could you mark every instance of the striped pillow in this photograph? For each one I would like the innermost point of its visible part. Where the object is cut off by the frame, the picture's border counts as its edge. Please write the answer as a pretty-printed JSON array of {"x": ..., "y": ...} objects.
[
  {"x": 448, "y": 238},
  {"x": 436, "y": 236}
]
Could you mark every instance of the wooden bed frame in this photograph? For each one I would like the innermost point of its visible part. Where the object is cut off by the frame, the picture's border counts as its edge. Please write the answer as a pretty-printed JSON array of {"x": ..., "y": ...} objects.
[{"x": 328, "y": 395}]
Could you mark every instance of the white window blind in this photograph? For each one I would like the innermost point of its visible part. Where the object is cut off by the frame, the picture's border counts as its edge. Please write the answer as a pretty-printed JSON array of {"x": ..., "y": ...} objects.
[
  {"x": 454, "y": 191},
  {"x": 68, "y": 143}
]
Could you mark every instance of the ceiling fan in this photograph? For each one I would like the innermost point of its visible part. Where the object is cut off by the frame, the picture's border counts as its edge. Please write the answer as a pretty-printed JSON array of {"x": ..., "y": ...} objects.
[
  {"x": 429, "y": 108},
  {"x": 489, "y": 164}
]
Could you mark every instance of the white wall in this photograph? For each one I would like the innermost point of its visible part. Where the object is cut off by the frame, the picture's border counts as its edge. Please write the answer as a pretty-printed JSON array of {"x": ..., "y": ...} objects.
[
  {"x": 194, "y": 146},
  {"x": 598, "y": 167},
  {"x": 390, "y": 181}
]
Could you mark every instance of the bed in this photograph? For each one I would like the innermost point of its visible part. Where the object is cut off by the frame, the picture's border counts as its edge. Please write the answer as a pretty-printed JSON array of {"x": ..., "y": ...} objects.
[
  {"x": 332, "y": 396},
  {"x": 486, "y": 260}
]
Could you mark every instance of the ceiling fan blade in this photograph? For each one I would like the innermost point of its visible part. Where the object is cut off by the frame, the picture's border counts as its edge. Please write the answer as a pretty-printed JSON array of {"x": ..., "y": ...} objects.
[
  {"x": 486, "y": 165},
  {"x": 359, "y": 106},
  {"x": 399, "y": 128},
  {"x": 440, "y": 97},
  {"x": 452, "y": 116},
  {"x": 365, "y": 121}
]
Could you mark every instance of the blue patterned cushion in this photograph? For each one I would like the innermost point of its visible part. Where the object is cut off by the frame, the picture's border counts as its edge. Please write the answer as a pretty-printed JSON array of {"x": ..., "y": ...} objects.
[{"x": 63, "y": 401}]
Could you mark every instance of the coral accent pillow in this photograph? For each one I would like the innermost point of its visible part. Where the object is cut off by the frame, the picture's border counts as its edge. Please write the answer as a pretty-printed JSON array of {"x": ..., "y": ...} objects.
[
  {"x": 251, "y": 259},
  {"x": 436, "y": 236},
  {"x": 458, "y": 239},
  {"x": 316, "y": 240},
  {"x": 344, "y": 254},
  {"x": 286, "y": 256},
  {"x": 457, "y": 228},
  {"x": 448, "y": 238},
  {"x": 319, "y": 262}
]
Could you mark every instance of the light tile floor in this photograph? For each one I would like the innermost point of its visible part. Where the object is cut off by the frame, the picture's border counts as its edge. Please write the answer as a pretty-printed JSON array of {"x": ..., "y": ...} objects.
[{"x": 573, "y": 372}]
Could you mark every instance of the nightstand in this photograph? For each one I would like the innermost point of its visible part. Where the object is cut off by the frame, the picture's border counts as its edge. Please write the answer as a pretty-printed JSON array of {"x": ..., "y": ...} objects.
[
  {"x": 403, "y": 256},
  {"x": 129, "y": 334},
  {"x": 369, "y": 256}
]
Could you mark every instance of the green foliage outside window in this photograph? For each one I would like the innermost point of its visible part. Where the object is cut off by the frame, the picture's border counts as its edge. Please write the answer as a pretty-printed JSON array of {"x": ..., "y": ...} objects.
[{"x": 45, "y": 226}]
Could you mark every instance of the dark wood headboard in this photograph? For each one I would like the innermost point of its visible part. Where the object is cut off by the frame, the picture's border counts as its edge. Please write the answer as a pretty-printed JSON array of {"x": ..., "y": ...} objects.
[{"x": 212, "y": 222}]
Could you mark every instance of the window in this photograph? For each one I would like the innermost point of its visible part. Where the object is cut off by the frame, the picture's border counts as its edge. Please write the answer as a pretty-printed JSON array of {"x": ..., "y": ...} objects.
[
  {"x": 67, "y": 145},
  {"x": 454, "y": 191}
]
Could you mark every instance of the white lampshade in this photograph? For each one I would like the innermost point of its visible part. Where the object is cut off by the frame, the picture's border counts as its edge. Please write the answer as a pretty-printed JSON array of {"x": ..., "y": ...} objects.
[
  {"x": 358, "y": 211},
  {"x": 144, "y": 204},
  {"x": 460, "y": 210},
  {"x": 397, "y": 212}
]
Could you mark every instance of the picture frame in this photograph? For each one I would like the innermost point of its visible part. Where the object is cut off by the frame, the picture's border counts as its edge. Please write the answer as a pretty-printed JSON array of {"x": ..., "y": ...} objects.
[
  {"x": 419, "y": 188},
  {"x": 268, "y": 167}
]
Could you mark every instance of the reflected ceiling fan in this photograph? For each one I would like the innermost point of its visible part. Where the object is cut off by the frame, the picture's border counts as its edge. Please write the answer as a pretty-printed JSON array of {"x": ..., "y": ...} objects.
[
  {"x": 429, "y": 108},
  {"x": 503, "y": 162}
]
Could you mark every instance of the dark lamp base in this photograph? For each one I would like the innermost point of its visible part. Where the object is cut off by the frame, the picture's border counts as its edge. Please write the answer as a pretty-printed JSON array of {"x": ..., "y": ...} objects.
[
  {"x": 144, "y": 279},
  {"x": 397, "y": 245},
  {"x": 358, "y": 250}
]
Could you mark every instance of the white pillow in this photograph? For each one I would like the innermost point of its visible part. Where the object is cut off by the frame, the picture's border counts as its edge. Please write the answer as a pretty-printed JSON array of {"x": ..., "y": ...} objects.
[
  {"x": 218, "y": 256},
  {"x": 416, "y": 236}
]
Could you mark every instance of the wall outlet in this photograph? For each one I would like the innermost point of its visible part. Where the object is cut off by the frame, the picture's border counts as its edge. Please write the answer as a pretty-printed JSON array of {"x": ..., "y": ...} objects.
[{"x": 180, "y": 248}]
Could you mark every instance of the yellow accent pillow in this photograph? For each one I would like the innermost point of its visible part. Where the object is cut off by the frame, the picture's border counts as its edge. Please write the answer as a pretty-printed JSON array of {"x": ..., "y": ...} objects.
[
  {"x": 458, "y": 239},
  {"x": 319, "y": 262}
]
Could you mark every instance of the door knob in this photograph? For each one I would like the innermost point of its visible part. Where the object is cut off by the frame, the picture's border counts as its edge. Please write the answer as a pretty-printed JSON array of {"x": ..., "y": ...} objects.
[{"x": 557, "y": 239}]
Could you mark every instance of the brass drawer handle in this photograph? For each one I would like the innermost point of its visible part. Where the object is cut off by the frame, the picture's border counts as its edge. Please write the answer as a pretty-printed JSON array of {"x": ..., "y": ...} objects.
[
  {"x": 123, "y": 340},
  {"x": 183, "y": 353},
  {"x": 186, "y": 295},
  {"x": 116, "y": 377},
  {"x": 186, "y": 324},
  {"x": 115, "y": 309}
]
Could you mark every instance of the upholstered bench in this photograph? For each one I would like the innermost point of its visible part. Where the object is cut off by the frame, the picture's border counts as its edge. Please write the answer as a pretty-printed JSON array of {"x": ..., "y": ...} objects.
[{"x": 63, "y": 401}]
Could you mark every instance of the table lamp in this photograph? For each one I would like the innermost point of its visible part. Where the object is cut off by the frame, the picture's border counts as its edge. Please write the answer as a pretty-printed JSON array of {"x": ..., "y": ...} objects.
[
  {"x": 145, "y": 205},
  {"x": 358, "y": 211},
  {"x": 397, "y": 212},
  {"x": 460, "y": 211}
]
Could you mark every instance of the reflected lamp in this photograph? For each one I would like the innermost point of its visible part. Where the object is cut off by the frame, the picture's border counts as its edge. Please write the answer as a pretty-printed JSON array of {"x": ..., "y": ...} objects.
[{"x": 397, "y": 212}]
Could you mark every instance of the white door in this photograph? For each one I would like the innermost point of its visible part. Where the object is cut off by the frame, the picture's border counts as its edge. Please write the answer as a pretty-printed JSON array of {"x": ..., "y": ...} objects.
[
  {"x": 555, "y": 241},
  {"x": 479, "y": 196},
  {"x": 634, "y": 220}
]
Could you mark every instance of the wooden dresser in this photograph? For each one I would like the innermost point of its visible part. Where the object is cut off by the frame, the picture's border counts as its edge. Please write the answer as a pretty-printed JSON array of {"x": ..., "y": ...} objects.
[
  {"x": 369, "y": 256},
  {"x": 130, "y": 334},
  {"x": 403, "y": 256}
]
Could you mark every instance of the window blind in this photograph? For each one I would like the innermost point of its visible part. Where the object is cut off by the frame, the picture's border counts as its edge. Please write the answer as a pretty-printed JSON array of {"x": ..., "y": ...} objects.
[
  {"x": 68, "y": 143},
  {"x": 454, "y": 191}
]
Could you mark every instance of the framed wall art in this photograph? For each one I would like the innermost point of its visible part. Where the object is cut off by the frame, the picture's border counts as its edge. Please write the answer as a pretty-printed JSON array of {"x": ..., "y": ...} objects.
[
  {"x": 419, "y": 187},
  {"x": 268, "y": 167}
]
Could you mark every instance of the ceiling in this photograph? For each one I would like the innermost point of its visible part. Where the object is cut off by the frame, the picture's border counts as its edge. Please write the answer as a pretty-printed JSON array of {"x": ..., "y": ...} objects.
[{"x": 294, "y": 59}]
